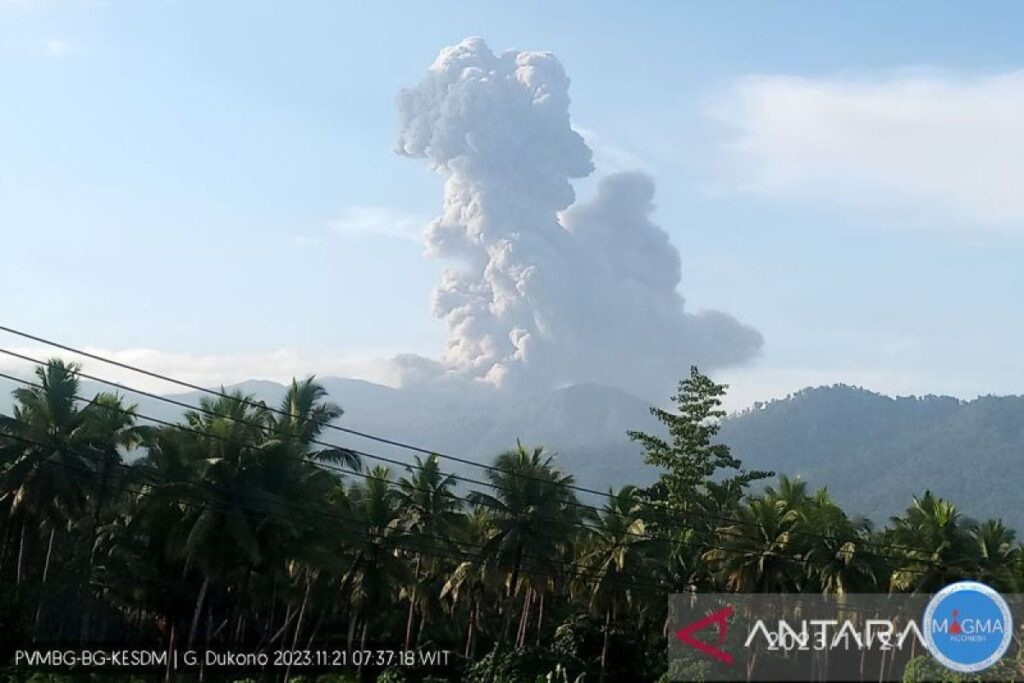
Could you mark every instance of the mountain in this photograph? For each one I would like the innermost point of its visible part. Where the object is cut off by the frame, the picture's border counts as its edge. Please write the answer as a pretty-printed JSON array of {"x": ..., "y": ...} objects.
[
  {"x": 583, "y": 427},
  {"x": 873, "y": 452}
]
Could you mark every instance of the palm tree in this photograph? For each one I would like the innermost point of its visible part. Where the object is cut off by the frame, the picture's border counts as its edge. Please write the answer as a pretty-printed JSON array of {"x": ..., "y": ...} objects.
[
  {"x": 754, "y": 555},
  {"x": 473, "y": 583},
  {"x": 430, "y": 513},
  {"x": 935, "y": 546},
  {"x": 44, "y": 481},
  {"x": 833, "y": 548},
  {"x": 225, "y": 457},
  {"x": 373, "y": 541},
  {"x": 534, "y": 515},
  {"x": 614, "y": 554},
  {"x": 303, "y": 415},
  {"x": 997, "y": 553},
  {"x": 60, "y": 454}
]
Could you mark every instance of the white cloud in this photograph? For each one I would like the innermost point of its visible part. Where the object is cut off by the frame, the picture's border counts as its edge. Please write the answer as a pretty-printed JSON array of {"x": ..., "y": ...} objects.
[
  {"x": 610, "y": 156},
  {"x": 213, "y": 370},
  {"x": 380, "y": 220},
  {"x": 56, "y": 48},
  {"x": 925, "y": 149},
  {"x": 545, "y": 290}
]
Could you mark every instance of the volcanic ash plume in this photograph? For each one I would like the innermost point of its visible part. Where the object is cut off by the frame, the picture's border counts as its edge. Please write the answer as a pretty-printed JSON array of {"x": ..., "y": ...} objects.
[{"x": 546, "y": 292}]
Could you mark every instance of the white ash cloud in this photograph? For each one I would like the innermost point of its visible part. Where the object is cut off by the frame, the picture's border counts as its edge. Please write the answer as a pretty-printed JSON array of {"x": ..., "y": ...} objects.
[{"x": 546, "y": 292}]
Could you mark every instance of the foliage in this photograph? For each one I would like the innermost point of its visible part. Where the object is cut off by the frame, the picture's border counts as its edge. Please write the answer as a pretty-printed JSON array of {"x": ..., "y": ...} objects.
[{"x": 240, "y": 528}]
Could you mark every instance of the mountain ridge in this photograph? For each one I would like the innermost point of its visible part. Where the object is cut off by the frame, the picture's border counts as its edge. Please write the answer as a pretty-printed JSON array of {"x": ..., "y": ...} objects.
[{"x": 872, "y": 451}]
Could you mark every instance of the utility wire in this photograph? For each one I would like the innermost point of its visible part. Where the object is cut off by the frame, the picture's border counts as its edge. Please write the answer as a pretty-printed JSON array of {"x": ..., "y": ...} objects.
[
  {"x": 672, "y": 512},
  {"x": 462, "y": 500},
  {"x": 225, "y": 506},
  {"x": 410, "y": 466}
]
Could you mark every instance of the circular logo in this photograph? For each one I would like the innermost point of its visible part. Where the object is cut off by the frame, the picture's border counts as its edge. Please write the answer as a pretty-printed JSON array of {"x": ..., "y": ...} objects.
[{"x": 967, "y": 626}]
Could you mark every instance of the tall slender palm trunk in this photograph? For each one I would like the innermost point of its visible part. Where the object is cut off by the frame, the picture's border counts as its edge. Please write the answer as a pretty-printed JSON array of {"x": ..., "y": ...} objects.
[
  {"x": 604, "y": 645},
  {"x": 46, "y": 574},
  {"x": 353, "y": 622},
  {"x": 3, "y": 546},
  {"x": 198, "y": 611},
  {"x": 21, "y": 554},
  {"x": 510, "y": 597},
  {"x": 412, "y": 602},
  {"x": 471, "y": 630},
  {"x": 540, "y": 617},
  {"x": 524, "y": 619},
  {"x": 170, "y": 650},
  {"x": 298, "y": 625}
]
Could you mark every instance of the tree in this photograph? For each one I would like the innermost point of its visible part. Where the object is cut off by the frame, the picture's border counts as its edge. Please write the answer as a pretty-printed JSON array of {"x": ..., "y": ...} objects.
[
  {"x": 997, "y": 553},
  {"x": 430, "y": 513},
  {"x": 533, "y": 514},
  {"x": 472, "y": 583},
  {"x": 619, "y": 562},
  {"x": 701, "y": 482},
  {"x": 303, "y": 415},
  {"x": 932, "y": 546},
  {"x": 374, "y": 537},
  {"x": 218, "y": 528},
  {"x": 834, "y": 548},
  {"x": 755, "y": 552},
  {"x": 61, "y": 456},
  {"x": 693, "y": 463}
]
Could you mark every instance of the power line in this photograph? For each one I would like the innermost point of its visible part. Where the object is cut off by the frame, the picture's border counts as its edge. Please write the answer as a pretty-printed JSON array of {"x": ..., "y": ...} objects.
[
  {"x": 620, "y": 579},
  {"x": 220, "y": 505},
  {"x": 672, "y": 512},
  {"x": 571, "y": 502},
  {"x": 581, "y": 524},
  {"x": 388, "y": 482},
  {"x": 283, "y": 413}
]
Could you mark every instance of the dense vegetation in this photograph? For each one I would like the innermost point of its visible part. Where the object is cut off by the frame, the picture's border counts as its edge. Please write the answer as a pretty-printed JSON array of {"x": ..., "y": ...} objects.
[
  {"x": 243, "y": 526},
  {"x": 874, "y": 450}
]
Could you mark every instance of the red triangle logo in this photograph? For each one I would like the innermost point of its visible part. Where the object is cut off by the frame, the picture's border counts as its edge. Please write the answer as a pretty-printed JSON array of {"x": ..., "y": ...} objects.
[{"x": 721, "y": 619}]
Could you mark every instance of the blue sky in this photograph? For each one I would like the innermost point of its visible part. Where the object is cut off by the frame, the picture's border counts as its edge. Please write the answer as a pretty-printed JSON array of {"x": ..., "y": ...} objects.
[{"x": 210, "y": 188}]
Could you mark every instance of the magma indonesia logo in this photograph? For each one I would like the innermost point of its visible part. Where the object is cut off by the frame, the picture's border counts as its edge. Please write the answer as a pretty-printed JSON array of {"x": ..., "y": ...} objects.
[{"x": 967, "y": 626}]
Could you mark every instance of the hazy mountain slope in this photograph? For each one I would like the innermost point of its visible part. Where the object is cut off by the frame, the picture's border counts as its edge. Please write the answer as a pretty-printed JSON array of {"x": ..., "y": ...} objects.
[
  {"x": 874, "y": 452},
  {"x": 584, "y": 427}
]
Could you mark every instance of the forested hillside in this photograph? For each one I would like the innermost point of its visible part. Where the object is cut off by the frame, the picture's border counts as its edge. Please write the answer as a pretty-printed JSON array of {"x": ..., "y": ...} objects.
[
  {"x": 239, "y": 526},
  {"x": 872, "y": 451}
]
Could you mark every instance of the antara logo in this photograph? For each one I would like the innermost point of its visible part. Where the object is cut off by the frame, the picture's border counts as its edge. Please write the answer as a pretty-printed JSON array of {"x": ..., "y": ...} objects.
[{"x": 720, "y": 619}]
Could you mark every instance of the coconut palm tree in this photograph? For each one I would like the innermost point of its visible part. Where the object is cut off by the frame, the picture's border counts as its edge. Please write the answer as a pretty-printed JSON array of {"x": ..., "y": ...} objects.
[
  {"x": 834, "y": 548},
  {"x": 430, "y": 513},
  {"x": 303, "y": 415},
  {"x": 225, "y": 457},
  {"x": 533, "y": 514},
  {"x": 997, "y": 553},
  {"x": 373, "y": 543},
  {"x": 60, "y": 454},
  {"x": 753, "y": 554},
  {"x": 45, "y": 479},
  {"x": 473, "y": 583},
  {"x": 935, "y": 545},
  {"x": 614, "y": 554}
]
